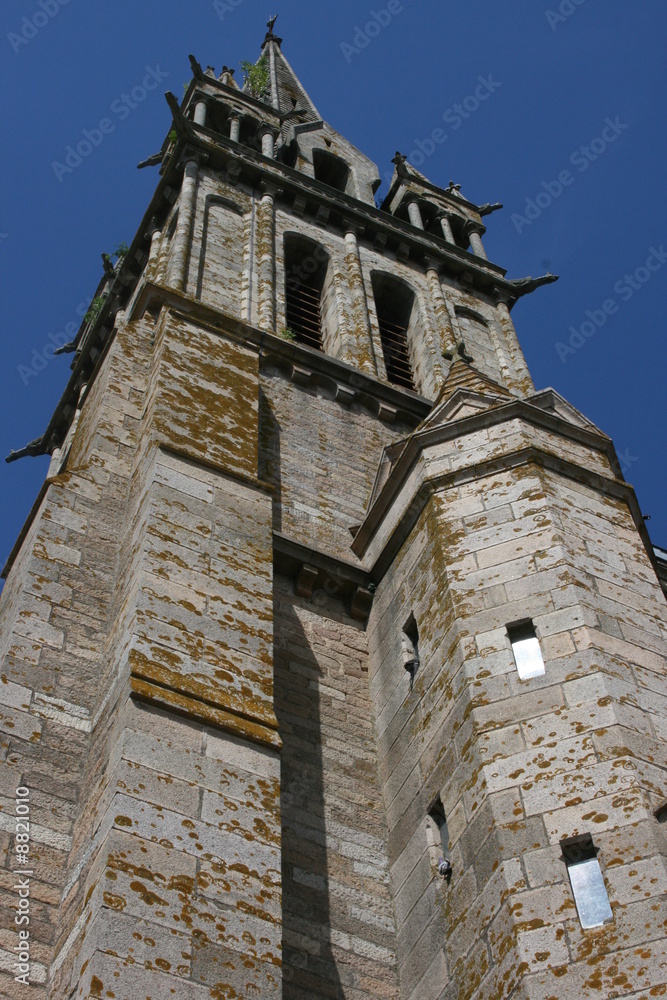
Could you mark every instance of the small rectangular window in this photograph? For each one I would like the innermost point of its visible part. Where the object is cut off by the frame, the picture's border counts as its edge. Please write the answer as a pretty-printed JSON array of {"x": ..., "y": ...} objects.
[
  {"x": 526, "y": 650},
  {"x": 588, "y": 888}
]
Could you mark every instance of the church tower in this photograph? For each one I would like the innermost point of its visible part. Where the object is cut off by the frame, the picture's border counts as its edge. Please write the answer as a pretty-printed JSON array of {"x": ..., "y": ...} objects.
[{"x": 332, "y": 650}]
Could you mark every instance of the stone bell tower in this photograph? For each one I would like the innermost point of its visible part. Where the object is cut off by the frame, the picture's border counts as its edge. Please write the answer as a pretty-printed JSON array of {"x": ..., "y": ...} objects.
[{"x": 333, "y": 651}]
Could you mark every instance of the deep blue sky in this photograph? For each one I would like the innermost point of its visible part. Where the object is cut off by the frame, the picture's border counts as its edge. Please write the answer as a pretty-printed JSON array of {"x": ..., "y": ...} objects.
[{"x": 558, "y": 83}]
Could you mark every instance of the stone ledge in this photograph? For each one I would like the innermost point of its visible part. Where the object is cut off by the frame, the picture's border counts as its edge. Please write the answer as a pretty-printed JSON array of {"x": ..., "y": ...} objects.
[
  {"x": 200, "y": 710},
  {"x": 300, "y": 364}
]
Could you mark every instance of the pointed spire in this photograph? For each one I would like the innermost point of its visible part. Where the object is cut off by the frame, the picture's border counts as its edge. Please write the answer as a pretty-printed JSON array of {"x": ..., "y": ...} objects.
[{"x": 288, "y": 95}]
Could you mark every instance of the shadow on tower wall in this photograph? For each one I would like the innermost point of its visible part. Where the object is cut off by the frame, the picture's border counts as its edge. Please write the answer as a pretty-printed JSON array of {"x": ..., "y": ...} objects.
[{"x": 309, "y": 968}]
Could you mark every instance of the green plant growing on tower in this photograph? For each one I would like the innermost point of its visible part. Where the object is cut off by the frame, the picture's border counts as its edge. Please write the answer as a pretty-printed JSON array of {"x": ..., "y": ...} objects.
[
  {"x": 118, "y": 254},
  {"x": 95, "y": 309},
  {"x": 256, "y": 76},
  {"x": 287, "y": 333},
  {"x": 173, "y": 136}
]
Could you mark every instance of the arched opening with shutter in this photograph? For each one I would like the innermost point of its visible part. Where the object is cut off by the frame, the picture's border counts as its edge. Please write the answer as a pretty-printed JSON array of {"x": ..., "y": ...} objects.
[
  {"x": 306, "y": 267},
  {"x": 395, "y": 303}
]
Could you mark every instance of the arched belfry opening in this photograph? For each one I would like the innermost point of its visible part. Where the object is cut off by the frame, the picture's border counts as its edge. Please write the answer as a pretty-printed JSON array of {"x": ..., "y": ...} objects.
[
  {"x": 306, "y": 267},
  {"x": 331, "y": 170},
  {"x": 395, "y": 305}
]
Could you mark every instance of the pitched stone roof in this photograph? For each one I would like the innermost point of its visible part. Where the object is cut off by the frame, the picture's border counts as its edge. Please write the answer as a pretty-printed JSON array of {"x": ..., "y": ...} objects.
[
  {"x": 288, "y": 94},
  {"x": 461, "y": 375}
]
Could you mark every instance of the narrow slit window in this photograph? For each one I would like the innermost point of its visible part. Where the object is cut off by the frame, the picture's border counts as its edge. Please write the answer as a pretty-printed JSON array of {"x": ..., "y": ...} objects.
[
  {"x": 410, "y": 646},
  {"x": 439, "y": 820},
  {"x": 394, "y": 302},
  {"x": 526, "y": 650},
  {"x": 586, "y": 879}
]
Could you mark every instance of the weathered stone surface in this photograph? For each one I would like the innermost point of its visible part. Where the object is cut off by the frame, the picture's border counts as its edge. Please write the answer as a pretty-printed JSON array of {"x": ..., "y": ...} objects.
[
  {"x": 236, "y": 788},
  {"x": 519, "y": 765}
]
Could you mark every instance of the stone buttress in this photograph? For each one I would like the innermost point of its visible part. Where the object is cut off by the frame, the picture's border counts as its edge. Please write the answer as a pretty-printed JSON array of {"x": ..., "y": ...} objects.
[{"x": 497, "y": 511}]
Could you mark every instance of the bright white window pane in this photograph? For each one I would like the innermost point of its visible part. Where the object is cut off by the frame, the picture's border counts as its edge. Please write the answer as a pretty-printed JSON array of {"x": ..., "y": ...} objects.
[
  {"x": 590, "y": 893},
  {"x": 528, "y": 657}
]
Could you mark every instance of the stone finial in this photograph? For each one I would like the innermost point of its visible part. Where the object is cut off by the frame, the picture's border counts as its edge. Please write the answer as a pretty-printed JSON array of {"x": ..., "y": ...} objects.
[
  {"x": 270, "y": 36},
  {"x": 400, "y": 161}
]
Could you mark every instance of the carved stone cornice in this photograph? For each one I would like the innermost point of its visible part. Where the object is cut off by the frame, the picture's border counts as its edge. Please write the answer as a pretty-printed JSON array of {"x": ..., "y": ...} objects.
[
  {"x": 255, "y": 167},
  {"x": 313, "y": 570}
]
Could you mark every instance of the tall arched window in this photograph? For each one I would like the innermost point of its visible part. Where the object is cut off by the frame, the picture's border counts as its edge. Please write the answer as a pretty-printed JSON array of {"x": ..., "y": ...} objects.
[
  {"x": 394, "y": 303},
  {"x": 306, "y": 266}
]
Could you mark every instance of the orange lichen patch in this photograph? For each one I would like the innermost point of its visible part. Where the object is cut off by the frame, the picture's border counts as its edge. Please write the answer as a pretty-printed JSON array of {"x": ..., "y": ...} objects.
[
  {"x": 595, "y": 817},
  {"x": 148, "y": 897},
  {"x": 205, "y": 397},
  {"x": 531, "y": 925},
  {"x": 114, "y": 902}
]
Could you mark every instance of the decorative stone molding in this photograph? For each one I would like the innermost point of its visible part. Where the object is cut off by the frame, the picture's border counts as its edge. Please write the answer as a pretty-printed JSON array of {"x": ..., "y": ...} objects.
[{"x": 314, "y": 571}]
